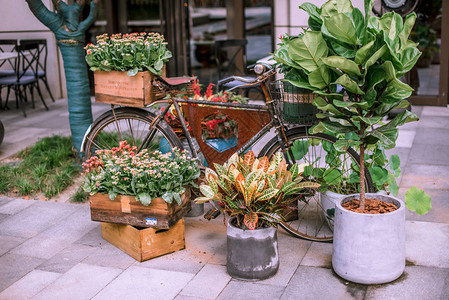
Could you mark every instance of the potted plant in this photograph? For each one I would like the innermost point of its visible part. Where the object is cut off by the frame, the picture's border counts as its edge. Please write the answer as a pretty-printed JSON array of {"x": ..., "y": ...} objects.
[
  {"x": 253, "y": 192},
  {"x": 139, "y": 188},
  {"x": 124, "y": 65},
  {"x": 353, "y": 62}
]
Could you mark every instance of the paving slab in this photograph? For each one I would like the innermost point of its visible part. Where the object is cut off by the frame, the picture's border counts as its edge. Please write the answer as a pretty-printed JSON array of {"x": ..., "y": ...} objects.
[
  {"x": 208, "y": 282},
  {"x": 291, "y": 252},
  {"x": 321, "y": 283},
  {"x": 4, "y": 200},
  {"x": 38, "y": 247},
  {"x": 429, "y": 154},
  {"x": 109, "y": 256},
  {"x": 434, "y": 122},
  {"x": 433, "y": 136},
  {"x": 92, "y": 238},
  {"x": 318, "y": 255},
  {"x": 405, "y": 138},
  {"x": 29, "y": 285},
  {"x": 237, "y": 289},
  {"x": 13, "y": 206},
  {"x": 3, "y": 217},
  {"x": 36, "y": 218},
  {"x": 145, "y": 283},
  {"x": 426, "y": 177},
  {"x": 9, "y": 242},
  {"x": 13, "y": 267},
  {"x": 427, "y": 244},
  {"x": 81, "y": 282},
  {"x": 72, "y": 228},
  {"x": 434, "y": 111},
  {"x": 67, "y": 258},
  {"x": 416, "y": 283}
]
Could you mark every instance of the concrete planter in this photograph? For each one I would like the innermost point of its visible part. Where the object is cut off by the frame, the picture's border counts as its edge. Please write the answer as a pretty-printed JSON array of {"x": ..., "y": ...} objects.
[
  {"x": 328, "y": 202},
  {"x": 252, "y": 254},
  {"x": 369, "y": 249}
]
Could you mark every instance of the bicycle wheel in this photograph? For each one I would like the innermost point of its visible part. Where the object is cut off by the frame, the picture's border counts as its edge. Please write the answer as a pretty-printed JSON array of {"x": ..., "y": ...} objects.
[
  {"x": 308, "y": 217},
  {"x": 132, "y": 125}
]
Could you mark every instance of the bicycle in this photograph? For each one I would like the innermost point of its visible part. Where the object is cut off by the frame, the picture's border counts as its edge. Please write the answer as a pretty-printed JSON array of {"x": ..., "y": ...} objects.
[{"x": 147, "y": 129}]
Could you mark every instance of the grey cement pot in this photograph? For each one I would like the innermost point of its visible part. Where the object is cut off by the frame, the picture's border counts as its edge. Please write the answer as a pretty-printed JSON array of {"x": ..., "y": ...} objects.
[
  {"x": 328, "y": 201},
  {"x": 252, "y": 254},
  {"x": 369, "y": 249}
]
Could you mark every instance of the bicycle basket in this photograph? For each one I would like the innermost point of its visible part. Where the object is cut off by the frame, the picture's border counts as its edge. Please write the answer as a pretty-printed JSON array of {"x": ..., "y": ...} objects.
[{"x": 294, "y": 103}]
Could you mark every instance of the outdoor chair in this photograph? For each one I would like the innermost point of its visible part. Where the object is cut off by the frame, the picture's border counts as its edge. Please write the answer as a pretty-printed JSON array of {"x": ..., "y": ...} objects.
[
  {"x": 227, "y": 53},
  {"x": 25, "y": 66},
  {"x": 7, "y": 46},
  {"x": 42, "y": 65}
]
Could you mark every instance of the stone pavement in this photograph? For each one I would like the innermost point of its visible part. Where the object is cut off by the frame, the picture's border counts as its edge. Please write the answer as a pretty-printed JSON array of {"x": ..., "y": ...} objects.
[{"x": 52, "y": 250}]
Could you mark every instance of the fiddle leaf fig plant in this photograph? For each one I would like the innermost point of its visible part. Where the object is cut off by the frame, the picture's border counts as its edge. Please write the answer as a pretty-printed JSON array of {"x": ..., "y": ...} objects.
[{"x": 354, "y": 62}]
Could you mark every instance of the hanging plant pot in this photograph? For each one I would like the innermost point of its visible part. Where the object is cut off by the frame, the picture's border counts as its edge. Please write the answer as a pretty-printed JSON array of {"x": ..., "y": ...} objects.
[
  {"x": 251, "y": 254},
  {"x": 368, "y": 248}
]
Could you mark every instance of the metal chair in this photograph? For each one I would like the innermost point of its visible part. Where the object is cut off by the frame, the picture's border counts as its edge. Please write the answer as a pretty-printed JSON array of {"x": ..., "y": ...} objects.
[
  {"x": 227, "y": 53},
  {"x": 7, "y": 46},
  {"x": 25, "y": 66},
  {"x": 42, "y": 66}
]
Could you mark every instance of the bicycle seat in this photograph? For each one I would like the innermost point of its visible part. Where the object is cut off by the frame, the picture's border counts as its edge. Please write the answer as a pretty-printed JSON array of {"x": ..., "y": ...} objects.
[{"x": 173, "y": 81}]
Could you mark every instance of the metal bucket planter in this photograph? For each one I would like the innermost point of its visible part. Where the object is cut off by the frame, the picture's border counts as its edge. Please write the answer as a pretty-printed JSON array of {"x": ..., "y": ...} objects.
[
  {"x": 252, "y": 254},
  {"x": 369, "y": 249}
]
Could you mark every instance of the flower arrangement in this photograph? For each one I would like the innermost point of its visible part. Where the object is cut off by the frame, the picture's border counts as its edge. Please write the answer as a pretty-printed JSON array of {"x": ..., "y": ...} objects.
[
  {"x": 255, "y": 190},
  {"x": 122, "y": 170},
  {"x": 215, "y": 126},
  {"x": 134, "y": 52}
]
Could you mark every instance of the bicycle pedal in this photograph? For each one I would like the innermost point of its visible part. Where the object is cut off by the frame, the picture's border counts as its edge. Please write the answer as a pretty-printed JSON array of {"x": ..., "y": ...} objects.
[{"x": 211, "y": 214}]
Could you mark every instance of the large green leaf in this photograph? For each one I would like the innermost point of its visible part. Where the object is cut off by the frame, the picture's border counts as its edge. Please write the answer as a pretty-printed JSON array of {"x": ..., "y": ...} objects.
[
  {"x": 391, "y": 24},
  {"x": 296, "y": 77},
  {"x": 409, "y": 58},
  {"x": 395, "y": 161},
  {"x": 392, "y": 185},
  {"x": 322, "y": 104},
  {"x": 387, "y": 136},
  {"x": 349, "y": 84},
  {"x": 375, "y": 57},
  {"x": 314, "y": 15},
  {"x": 340, "y": 48},
  {"x": 378, "y": 175},
  {"x": 384, "y": 108},
  {"x": 320, "y": 78},
  {"x": 342, "y": 28},
  {"x": 418, "y": 201},
  {"x": 360, "y": 55},
  {"x": 393, "y": 95},
  {"x": 359, "y": 22},
  {"x": 332, "y": 176},
  {"x": 344, "y": 64},
  {"x": 333, "y": 7},
  {"x": 308, "y": 50},
  {"x": 300, "y": 149},
  {"x": 409, "y": 22},
  {"x": 390, "y": 76},
  {"x": 370, "y": 121}
]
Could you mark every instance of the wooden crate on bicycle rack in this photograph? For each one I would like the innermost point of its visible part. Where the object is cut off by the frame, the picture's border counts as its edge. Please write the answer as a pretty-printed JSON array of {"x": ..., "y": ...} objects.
[
  {"x": 127, "y": 210},
  {"x": 118, "y": 88},
  {"x": 144, "y": 243}
]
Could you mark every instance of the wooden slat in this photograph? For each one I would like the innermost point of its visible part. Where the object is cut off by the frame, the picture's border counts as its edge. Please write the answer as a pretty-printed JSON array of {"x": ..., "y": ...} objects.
[
  {"x": 127, "y": 210},
  {"x": 143, "y": 244}
]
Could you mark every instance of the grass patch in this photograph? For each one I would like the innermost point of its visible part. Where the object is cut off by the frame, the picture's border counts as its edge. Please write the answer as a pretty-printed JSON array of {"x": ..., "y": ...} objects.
[{"x": 48, "y": 167}]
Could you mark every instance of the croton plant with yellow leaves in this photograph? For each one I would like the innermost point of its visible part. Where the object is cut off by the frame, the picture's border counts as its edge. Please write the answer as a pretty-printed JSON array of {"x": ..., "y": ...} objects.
[{"x": 255, "y": 190}]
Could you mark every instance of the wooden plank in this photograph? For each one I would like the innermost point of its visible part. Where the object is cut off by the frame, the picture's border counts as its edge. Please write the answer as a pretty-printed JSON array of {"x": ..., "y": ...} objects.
[
  {"x": 127, "y": 210},
  {"x": 120, "y": 89},
  {"x": 143, "y": 244}
]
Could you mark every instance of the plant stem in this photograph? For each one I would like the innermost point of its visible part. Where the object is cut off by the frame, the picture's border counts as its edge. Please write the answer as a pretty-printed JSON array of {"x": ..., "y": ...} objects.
[{"x": 362, "y": 169}]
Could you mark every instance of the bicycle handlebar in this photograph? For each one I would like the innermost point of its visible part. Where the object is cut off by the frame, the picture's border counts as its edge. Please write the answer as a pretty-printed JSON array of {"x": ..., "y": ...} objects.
[{"x": 266, "y": 71}]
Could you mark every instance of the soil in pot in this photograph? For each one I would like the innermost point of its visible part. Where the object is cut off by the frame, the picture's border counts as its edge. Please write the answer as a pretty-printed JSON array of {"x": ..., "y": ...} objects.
[{"x": 372, "y": 206}]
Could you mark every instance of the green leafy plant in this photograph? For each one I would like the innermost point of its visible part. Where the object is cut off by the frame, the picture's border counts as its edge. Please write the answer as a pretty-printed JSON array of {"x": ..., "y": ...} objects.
[
  {"x": 133, "y": 53},
  {"x": 144, "y": 175},
  {"x": 254, "y": 190},
  {"x": 353, "y": 63}
]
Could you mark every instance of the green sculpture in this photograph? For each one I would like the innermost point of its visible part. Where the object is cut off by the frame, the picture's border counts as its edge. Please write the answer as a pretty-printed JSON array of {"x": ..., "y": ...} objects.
[{"x": 69, "y": 32}]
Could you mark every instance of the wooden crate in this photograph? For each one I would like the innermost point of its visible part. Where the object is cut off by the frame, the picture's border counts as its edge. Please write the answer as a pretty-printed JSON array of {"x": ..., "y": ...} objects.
[
  {"x": 127, "y": 210},
  {"x": 144, "y": 243},
  {"x": 118, "y": 88}
]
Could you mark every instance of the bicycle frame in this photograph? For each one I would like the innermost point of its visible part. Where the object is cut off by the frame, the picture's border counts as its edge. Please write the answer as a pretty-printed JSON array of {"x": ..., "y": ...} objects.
[{"x": 269, "y": 107}]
